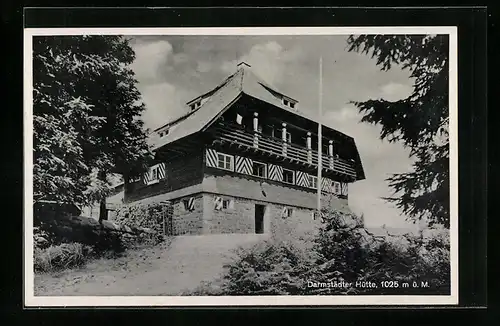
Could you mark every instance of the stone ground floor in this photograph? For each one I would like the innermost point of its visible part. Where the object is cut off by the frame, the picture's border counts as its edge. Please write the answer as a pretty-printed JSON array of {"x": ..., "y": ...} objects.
[{"x": 208, "y": 213}]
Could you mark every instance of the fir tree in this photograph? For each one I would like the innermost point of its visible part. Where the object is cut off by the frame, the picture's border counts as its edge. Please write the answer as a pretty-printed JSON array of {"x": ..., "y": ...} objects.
[
  {"x": 86, "y": 117},
  {"x": 419, "y": 121}
]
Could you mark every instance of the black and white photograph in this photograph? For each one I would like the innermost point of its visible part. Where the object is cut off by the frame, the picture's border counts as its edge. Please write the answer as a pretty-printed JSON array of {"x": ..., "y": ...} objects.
[{"x": 241, "y": 166}]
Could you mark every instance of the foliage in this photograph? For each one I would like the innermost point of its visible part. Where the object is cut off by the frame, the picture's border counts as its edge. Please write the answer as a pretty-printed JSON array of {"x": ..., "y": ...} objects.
[
  {"x": 144, "y": 216},
  {"x": 419, "y": 121},
  {"x": 268, "y": 268},
  {"x": 63, "y": 256},
  {"x": 342, "y": 251},
  {"x": 41, "y": 238},
  {"x": 351, "y": 254},
  {"x": 86, "y": 111}
]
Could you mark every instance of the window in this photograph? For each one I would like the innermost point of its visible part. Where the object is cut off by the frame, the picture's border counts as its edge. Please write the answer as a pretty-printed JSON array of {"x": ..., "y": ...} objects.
[
  {"x": 289, "y": 103},
  {"x": 225, "y": 161},
  {"x": 154, "y": 173},
  {"x": 288, "y": 176},
  {"x": 192, "y": 106},
  {"x": 337, "y": 187},
  {"x": 313, "y": 181},
  {"x": 163, "y": 132},
  {"x": 227, "y": 203},
  {"x": 287, "y": 212},
  {"x": 259, "y": 169}
]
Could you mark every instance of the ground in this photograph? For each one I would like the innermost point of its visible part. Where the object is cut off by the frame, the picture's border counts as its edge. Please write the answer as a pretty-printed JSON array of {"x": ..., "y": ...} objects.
[{"x": 170, "y": 269}]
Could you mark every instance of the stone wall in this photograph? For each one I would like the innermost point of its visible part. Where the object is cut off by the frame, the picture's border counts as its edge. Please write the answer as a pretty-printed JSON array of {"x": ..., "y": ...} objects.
[
  {"x": 301, "y": 223},
  {"x": 187, "y": 221},
  {"x": 240, "y": 218},
  {"x": 261, "y": 190}
]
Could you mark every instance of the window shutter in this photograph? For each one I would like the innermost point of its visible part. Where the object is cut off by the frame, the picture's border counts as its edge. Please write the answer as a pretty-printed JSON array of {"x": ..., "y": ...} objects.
[
  {"x": 239, "y": 119},
  {"x": 218, "y": 203},
  {"x": 211, "y": 158}
]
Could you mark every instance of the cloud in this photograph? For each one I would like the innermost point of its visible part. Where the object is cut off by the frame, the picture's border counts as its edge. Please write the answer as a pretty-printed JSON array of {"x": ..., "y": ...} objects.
[
  {"x": 268, "y": 60},
  {"x": 150, "y": 57},
  {"x": 204, "y": 66},
  {"x": 395, "y": 91},
  {"x": 380, "y": 159},
  {"x": 163, "y": 103},
  {"x": 179, "y": 58}
]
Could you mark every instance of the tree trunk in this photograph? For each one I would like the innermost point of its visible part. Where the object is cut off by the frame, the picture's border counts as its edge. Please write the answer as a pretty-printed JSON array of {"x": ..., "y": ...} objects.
[{"x": 103, "y": 212}]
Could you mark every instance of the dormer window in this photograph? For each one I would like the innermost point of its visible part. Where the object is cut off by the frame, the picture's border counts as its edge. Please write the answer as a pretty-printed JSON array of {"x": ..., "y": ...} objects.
[
  {"x": 163, "y": 133},
  {"x": 289, "y": 103},
  {"x": 195, "y": 105}
]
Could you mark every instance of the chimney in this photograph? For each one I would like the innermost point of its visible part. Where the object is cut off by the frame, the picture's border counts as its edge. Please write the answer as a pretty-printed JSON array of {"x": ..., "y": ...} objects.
[{"x": 243, "y": 64}]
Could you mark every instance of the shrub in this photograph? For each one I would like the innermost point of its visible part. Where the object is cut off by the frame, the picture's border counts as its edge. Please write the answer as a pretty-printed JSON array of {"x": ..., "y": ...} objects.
[
  {"x": 41, "y": 238},
  {"x": 63, "y": 256},
  {"x": 356, "y": 255},
  {"x": 270, "y": 267},
  {"x": 341, "y": 251},
  {"x": 143, "y": 217}
]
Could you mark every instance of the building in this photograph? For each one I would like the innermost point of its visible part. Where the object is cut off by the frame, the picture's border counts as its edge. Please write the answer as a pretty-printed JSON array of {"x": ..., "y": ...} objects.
[
  {"x": 243, "y": 160},
  {"x": 114, "y": 200}
]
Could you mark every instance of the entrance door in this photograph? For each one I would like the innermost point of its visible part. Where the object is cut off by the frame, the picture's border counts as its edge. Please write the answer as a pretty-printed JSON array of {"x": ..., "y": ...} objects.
[{"x": 259, "y": 218}]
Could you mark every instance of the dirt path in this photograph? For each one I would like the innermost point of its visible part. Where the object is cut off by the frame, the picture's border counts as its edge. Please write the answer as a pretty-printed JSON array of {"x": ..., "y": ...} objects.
[{"x": 163, "y": 270}]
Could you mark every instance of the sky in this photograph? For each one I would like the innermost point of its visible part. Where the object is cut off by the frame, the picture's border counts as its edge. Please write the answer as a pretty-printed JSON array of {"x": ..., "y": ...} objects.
[{"x": 172, "y": 70}]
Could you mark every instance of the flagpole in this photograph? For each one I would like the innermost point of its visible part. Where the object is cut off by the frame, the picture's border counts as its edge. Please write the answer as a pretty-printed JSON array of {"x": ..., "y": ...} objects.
[{"x": 320, "y": 148}]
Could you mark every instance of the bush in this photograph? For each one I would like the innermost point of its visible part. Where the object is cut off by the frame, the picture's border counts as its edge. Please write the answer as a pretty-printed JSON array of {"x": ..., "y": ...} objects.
[
  {"x": 41, "y": 238},
  {"x": 146, "y": 217},
  {"x": 63, "y": 256},
  {"x": 267, "y": 268},
  {"x": 354, "y": 255},
  {"x": 342, "y": 251}
]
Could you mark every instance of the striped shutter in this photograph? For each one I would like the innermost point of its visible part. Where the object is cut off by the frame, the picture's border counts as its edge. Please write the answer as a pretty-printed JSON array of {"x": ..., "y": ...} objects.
[
  {"x": 211, "y": 157},
  {"x": 244, "y": 165},
  {"x": 145, "y": 177},
  {"x": 343, "y": 189},
  {"x": 275, "y": 172},
  {"x": 161, "y": 171},
  {"x": 218, "y": 203},
  {"x": 302, "y": 179},
  {"x": 326, "y": 184},
  {"x": 191, "y": 203}
]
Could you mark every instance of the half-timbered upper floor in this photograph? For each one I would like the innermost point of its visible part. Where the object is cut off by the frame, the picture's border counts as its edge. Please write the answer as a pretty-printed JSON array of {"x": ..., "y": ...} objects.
[{"x": 245, "y": 115}]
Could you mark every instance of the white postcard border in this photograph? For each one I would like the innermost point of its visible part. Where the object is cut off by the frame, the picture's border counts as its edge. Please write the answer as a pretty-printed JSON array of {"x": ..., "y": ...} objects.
[{"x": 30, "y": 300}]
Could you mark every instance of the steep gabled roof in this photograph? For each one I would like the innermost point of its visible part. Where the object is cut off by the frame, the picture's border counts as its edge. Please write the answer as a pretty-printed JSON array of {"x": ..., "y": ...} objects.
[
  {"x": 227, "y": 92},
  {"x": 244, "y": 81}
]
